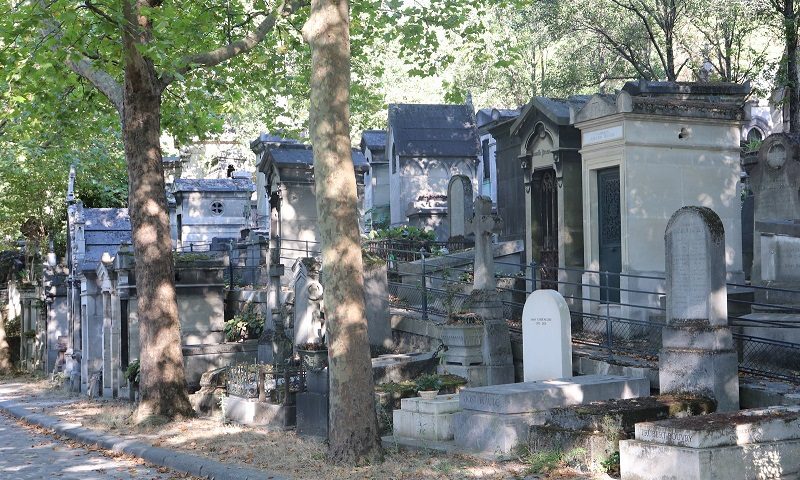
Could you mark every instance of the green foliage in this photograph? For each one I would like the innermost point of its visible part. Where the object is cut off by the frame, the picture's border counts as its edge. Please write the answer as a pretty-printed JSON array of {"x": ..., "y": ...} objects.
[
  {"x": 546, "y": 461},
  {"x": 611, "y": 464},
  {"x": 133, "y": 371},
  {"x": 249, "y": 323},
  {"x": 13, "y": 327},
  {"x": 404, "y": 233},
  {"x": 428, "y": 382},
  {"x": 753, "y": 146}
]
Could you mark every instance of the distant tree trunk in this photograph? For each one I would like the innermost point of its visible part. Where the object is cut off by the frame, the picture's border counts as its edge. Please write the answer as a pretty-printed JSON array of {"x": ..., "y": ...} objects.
[
  {"x": 5, "y": 353},
  {"x": 790, "y": 30},
  {"x": 353, "y": 429},
  {"x": 163, "y": 384}
]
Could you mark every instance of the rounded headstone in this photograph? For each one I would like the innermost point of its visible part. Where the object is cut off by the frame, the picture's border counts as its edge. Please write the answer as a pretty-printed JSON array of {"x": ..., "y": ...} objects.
[{"x": 546, "y": 337}]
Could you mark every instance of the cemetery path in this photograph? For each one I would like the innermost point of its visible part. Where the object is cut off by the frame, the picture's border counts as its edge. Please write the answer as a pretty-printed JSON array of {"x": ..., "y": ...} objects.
[{"x": 28, "y": 454}]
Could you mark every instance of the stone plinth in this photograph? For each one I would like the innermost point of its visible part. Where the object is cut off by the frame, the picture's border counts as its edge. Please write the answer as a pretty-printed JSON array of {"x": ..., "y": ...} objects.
[
  {"x": 496, "y": 419},
  {"x": 750, "y": 444},
  {"x": 312, "y": 405},
  {"x": 426, "y": 419}
]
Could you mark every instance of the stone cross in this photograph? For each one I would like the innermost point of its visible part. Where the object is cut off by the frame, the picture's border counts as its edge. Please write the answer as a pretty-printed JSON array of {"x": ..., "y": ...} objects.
[{"x": 483, "y": 224}]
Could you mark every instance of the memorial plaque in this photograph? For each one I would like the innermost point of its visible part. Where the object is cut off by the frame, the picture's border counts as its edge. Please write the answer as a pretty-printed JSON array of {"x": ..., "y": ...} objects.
[{"x": 546, "y": 337}]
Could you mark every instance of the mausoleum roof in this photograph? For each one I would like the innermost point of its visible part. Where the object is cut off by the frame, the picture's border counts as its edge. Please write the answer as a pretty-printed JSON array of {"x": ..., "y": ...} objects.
[
  {"x": 292, "y": 155},
  {"x": 434, "y": 130},
  {"x": 555, "y": 109},
  {"x": 213, "y": 185},
  {"x": 373, "y": 139}
]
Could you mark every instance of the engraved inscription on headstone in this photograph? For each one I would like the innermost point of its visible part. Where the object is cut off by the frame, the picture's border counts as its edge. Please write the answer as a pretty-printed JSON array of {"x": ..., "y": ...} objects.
[
  {"x": 696, "y": 290},
  {"x": 546, "y": 337}
]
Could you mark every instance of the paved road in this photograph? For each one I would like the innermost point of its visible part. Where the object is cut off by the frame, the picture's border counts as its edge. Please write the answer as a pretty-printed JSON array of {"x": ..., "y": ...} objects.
[{"x": 26, "y": 455}]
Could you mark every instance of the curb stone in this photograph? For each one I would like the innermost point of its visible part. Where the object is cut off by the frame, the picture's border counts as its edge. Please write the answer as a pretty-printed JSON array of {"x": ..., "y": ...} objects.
[{"x": 178, "y": 461}]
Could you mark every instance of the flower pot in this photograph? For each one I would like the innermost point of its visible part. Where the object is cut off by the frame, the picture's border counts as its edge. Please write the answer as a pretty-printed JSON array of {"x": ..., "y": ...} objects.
[
  {"x": 428, "y": 394},
  {"x": 314, "y": 360},
  {"x": 463, "y": 344}
]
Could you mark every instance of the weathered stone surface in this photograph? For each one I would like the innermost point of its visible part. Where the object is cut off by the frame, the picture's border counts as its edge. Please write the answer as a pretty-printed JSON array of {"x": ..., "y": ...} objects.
[
  {"x": 546, "y": 336},
  {"x": 492, "y": 433},
  {"x": 533, "y": 396},
  {"x": 741, "y": 428},
  {"x": 648, "y": 461},
  {"x": 312, "y": 414},
  {"x": 459, "y": 204},
  {"x": 695, "y": 247},
  {"x": 697, "y": 357},
  {"x": 251, "y": 412},
  {"x": 426, "y": 419},
  {"x": 704, "y": 373}
]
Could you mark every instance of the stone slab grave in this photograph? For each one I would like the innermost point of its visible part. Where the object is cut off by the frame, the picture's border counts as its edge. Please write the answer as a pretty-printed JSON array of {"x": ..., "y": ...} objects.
[
  {"x": 423, "y": 419},
  {"x": 249, "y": 411},
  {"x": 744, "y": 445},
  {"x": 495, "y": 419},
  {"x": 697, "y": 355},
  {"x": 592, "y": 432},
  {"x": 546, "y": 337}
]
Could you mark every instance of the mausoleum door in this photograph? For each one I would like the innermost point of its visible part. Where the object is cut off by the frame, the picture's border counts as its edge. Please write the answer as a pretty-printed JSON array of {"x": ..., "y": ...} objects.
[
  {"x": 545, "y": 220},
  {"x": 609, "y": 233}
]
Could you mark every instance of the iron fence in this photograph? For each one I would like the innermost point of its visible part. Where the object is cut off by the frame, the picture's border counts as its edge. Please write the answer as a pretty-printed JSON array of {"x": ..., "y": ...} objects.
[{"x": 766, "y": 334}]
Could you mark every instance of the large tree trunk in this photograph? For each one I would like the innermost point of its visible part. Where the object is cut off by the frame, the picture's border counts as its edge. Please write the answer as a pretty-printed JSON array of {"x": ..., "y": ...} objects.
[
  {"x": 5, "y": 352},
  {"x": 163, "y": 384},
  {"x": 353, "y": 430},
  {"x": 790, "y": 30}
]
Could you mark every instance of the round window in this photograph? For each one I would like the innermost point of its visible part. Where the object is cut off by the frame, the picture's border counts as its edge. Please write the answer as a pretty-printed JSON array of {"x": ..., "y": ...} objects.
[{"x": 216, "y": 208}]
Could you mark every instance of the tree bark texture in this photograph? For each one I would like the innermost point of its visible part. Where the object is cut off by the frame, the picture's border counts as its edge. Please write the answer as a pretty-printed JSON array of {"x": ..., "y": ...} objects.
[
  {"x": 790, "y": 30},
  {"x": 163, "y": 384},
  {"x": 353, "y": 430}
]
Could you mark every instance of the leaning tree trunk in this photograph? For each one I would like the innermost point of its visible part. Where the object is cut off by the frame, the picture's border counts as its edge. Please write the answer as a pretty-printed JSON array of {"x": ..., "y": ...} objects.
[
  {"x": 353, "y": 429},
  {"x": 162, "y": 386},
  {"x": 5, "y": 352}
]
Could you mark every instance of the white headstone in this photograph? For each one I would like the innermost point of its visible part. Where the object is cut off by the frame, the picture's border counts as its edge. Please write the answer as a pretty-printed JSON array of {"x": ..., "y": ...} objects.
[{"x": 546, "y": 337}]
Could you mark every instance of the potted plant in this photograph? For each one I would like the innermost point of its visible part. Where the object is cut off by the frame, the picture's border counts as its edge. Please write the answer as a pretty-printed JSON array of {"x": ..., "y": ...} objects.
[
  {"x": 132, "y": 374},
  {"x": 428, "y": 386},
  {"x": 313, "y": 355}
]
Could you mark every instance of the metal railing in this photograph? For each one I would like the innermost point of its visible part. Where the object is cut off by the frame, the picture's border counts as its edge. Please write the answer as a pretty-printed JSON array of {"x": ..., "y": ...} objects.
[{"x": 767, "y": 345}]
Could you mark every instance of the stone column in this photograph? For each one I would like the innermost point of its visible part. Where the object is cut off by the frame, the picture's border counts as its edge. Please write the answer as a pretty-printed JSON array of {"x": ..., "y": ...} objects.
[
  {"x": 108, "y": 365},
  {"x": 697, "y": 355}
]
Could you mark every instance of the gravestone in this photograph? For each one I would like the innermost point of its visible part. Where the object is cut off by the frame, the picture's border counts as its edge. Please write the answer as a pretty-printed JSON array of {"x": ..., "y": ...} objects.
[
  {"x": 546, "y": 337},
  {"x": 308, "y": 323},
  {"x": 697, "y": 356},
  {"x": 459, "y": 205}
]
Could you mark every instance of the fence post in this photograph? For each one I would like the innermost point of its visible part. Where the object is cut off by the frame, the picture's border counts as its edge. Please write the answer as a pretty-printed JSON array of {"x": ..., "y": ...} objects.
[
  {"x": 424, "y": 287},
  {"x": 609, "y": 327},
  {"x": 230, "y": 264},
  {"x": 533, "y": 276}
]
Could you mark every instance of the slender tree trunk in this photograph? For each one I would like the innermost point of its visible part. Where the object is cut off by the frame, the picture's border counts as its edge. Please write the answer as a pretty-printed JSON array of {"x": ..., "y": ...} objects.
[
  {"x": 163, "y": 384},
  {"x": 5, "y": 352},
  {"x": 353, "y": 425},
  {"x": 790, "y": 29}
]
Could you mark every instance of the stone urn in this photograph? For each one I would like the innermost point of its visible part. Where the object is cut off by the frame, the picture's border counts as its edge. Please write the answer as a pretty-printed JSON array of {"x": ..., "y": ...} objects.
[
  {"x": 463, "y": 343},
  {"x": 428, "y": 394}
]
